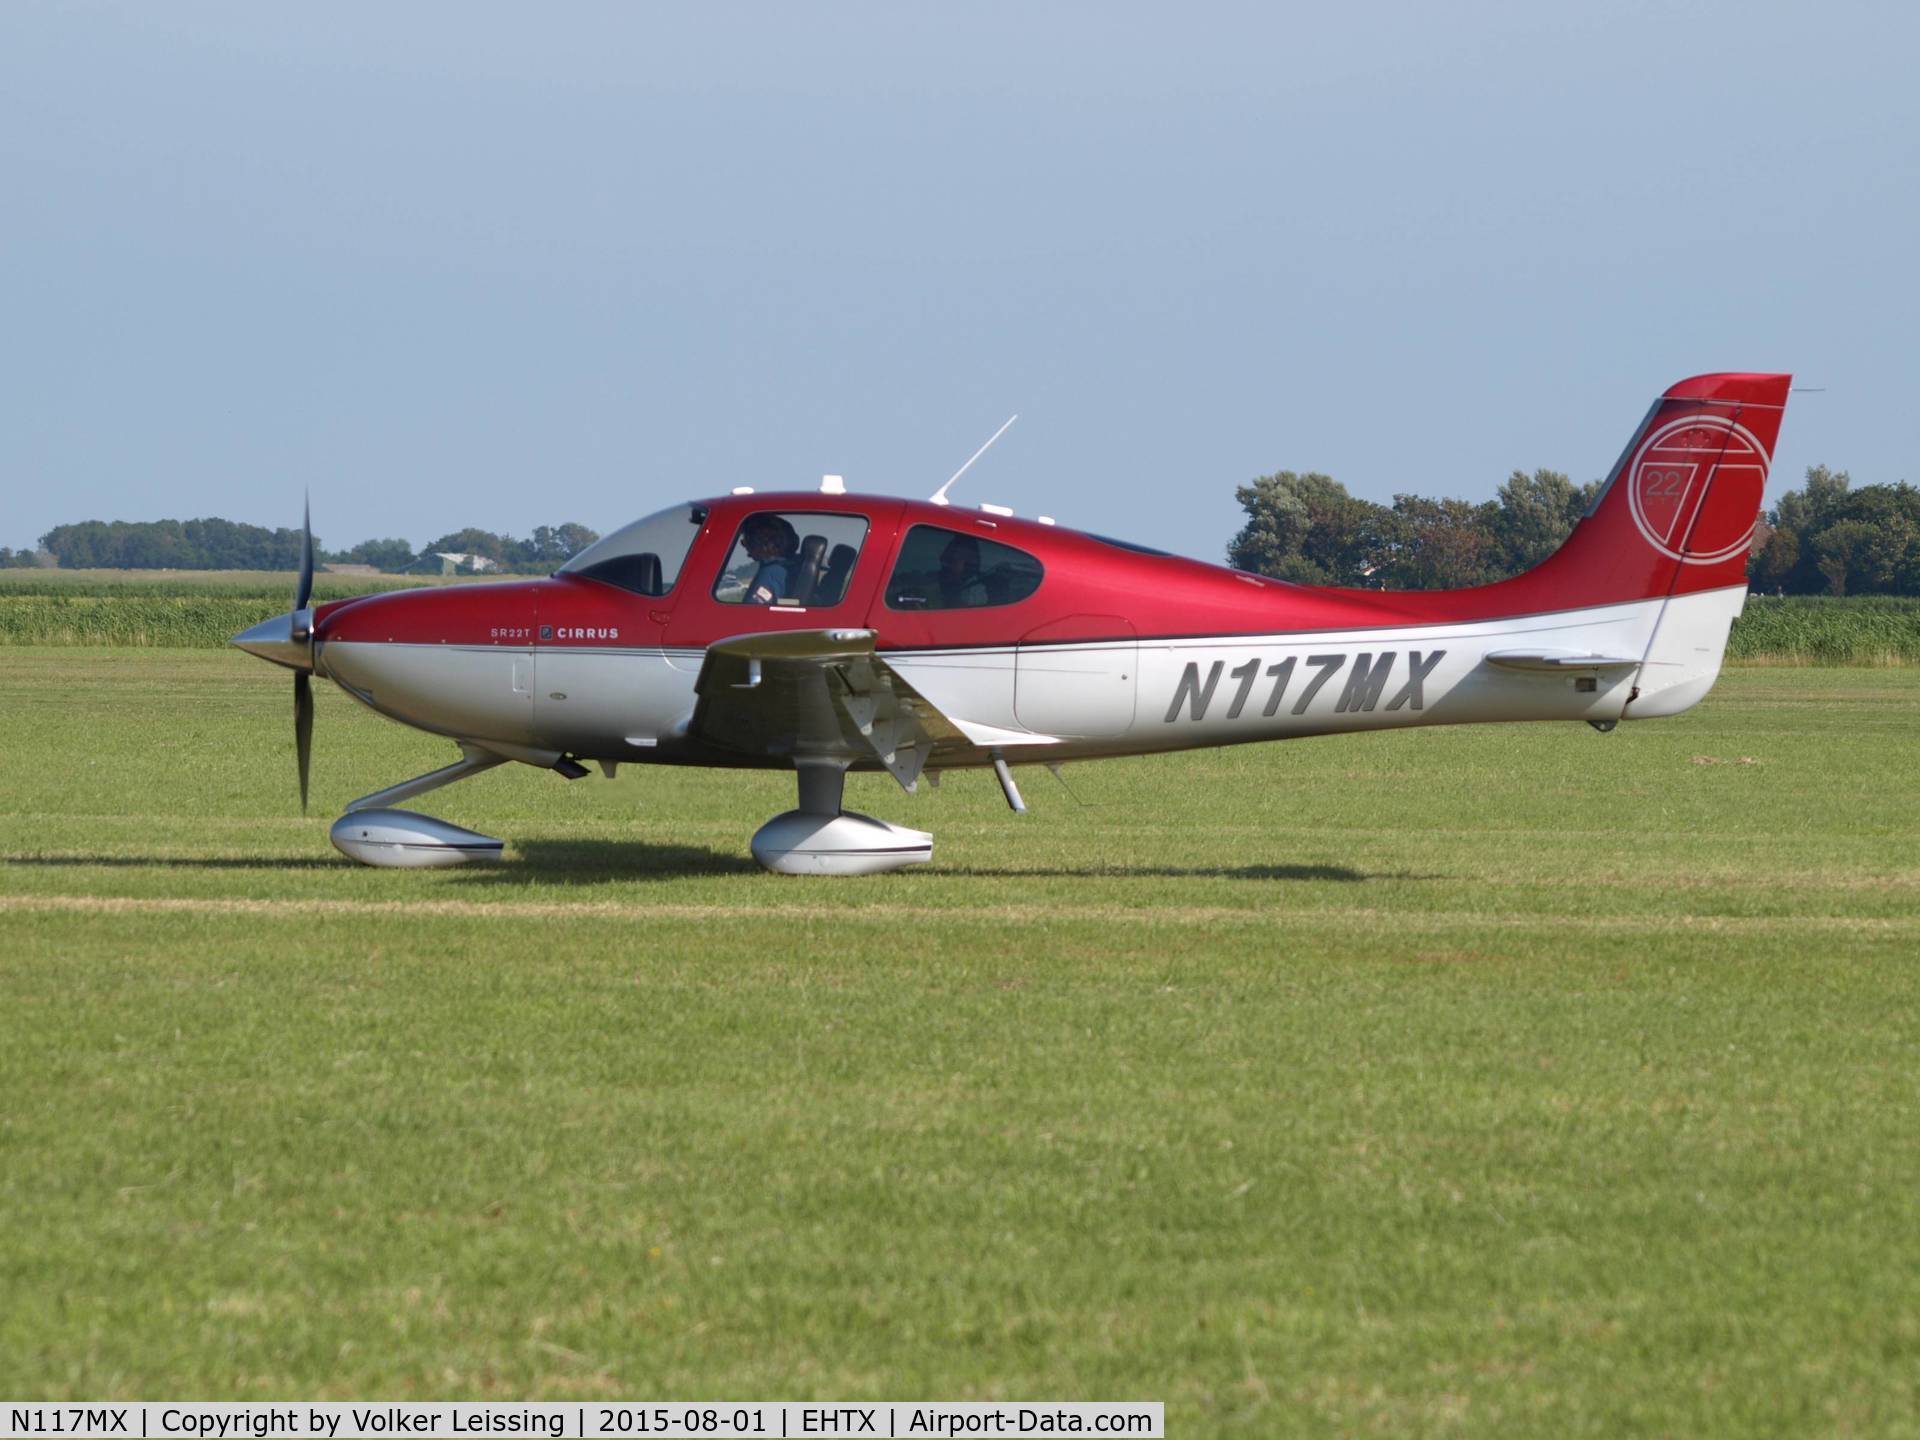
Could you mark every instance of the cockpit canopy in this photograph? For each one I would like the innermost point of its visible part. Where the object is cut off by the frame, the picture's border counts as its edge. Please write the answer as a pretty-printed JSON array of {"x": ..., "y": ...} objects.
[{"x": 644, "y": 557}]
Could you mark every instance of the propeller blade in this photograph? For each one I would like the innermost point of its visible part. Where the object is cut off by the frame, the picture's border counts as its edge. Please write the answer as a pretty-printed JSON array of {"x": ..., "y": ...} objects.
[
  {"x": 303, "y": 591},
  {"x": 303, "y": 728}
]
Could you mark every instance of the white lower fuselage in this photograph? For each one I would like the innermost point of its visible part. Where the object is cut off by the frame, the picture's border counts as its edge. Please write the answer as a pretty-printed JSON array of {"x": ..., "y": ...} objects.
[{"x": 1057, "y": 702}]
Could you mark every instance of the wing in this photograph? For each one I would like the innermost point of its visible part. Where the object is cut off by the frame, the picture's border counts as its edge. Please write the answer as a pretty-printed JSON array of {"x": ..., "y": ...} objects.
[{"x": 826, "y": 692}]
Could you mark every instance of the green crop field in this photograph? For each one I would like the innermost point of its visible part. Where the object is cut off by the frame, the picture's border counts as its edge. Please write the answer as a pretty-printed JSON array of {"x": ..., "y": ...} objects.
[
  {"x": 246, "y": 584},
  {"x": 1496, "y": 1081},
  {"x": 163, "y": 608},
  {"x": 206, "y": 608},
  {"x": 1821, "y": 630}
]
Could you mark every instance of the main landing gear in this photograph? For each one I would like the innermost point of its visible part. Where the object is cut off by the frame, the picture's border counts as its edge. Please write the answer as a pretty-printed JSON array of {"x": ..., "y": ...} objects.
[{"x": 819, "y": 838}]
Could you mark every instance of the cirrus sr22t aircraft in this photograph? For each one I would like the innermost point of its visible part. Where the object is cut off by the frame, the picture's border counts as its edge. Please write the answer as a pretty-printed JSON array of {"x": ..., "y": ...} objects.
[{"x": 825, "y": 632}]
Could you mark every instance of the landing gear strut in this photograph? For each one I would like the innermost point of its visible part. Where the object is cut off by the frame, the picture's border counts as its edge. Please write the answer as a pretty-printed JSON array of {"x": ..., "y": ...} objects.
[
  {"x": 375, "y": 834},
  {"x": 819, "y": 838}
]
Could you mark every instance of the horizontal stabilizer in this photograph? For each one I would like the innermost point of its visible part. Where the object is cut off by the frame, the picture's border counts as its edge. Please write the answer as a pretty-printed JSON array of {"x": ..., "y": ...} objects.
[{"x": 1559, "y": 661}]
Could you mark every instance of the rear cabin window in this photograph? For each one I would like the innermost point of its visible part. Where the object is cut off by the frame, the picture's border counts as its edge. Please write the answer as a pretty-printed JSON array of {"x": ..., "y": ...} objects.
[
  {"x": 942, "y": 569},
  {"x": 791, "y": 559}
]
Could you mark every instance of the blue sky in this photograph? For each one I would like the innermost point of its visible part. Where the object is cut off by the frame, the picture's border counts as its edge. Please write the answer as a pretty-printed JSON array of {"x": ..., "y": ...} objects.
[{"x": 452, "y": 265}]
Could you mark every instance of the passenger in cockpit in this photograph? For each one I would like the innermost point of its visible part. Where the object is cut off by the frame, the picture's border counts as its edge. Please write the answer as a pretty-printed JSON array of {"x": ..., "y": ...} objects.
[{"x": 959, "y": 578}]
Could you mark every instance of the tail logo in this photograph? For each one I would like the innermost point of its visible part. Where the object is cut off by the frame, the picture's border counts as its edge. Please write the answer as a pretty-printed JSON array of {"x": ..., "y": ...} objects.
[{"x": 1695, "y": 491}]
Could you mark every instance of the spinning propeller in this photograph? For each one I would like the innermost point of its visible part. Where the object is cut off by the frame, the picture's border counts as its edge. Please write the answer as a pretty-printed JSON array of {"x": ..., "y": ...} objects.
[
  {"x": 300, "y": 631},
  {"x": 288, "y": 640}
]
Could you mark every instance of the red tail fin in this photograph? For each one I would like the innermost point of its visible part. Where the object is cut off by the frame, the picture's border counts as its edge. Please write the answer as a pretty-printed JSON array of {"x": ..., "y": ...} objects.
[{"x": 1677, "y": 514}]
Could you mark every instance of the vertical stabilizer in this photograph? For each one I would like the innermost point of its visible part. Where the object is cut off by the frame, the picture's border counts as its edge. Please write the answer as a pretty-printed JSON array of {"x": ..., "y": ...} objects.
[{"x": 1674, "y": 524}]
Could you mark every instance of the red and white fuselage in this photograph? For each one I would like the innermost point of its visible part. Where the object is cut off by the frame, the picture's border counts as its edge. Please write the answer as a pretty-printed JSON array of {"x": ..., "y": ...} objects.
[{"x": 1088, "y": 648}]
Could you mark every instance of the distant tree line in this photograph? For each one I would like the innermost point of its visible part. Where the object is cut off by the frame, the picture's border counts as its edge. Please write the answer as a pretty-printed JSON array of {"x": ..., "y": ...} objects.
[
  {"x": 1831, "y": 539},
  {"x": 1827, "y": 539},
  {"x": 1308, "y": 529},
  {"x": 213, "y": 544},
  {"x": 171, "y": 545}
]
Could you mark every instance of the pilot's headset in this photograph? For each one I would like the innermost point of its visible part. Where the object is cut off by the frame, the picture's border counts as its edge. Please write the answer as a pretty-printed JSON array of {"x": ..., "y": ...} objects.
[{"x": 777, "y": 526}]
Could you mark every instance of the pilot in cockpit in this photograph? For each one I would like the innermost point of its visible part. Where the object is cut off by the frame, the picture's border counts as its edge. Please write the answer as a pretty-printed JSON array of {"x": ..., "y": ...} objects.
[{"x": 774, "y": 546}]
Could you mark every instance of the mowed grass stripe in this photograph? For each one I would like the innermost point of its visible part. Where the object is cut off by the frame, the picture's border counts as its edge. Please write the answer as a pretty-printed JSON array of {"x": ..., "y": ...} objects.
[{"x": 893, "y": 914}]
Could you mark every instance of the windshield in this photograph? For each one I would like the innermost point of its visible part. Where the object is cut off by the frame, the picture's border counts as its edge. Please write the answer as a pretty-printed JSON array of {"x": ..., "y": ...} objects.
[{"x": 644, "y": 557}]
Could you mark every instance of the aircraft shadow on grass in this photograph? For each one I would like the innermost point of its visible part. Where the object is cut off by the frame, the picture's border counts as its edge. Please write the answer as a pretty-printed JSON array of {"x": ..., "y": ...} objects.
[
  {"x": 533, "y": 862},
  {"x": 604, "y": 862},
  {"x": 591, "y": 862},
  {"x": 173, "y": 862}
]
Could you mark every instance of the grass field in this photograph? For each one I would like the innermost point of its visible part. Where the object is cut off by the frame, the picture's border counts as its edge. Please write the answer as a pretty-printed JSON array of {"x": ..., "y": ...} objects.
[{"x": 1498, "y": 1081}]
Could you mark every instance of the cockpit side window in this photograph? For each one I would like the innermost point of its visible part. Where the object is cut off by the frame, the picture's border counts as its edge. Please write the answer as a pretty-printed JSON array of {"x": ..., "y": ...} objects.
[
  {"x": 644, "y": 557},
  {"x": 791, "y": 559},
  {"x": 941, "y": 569}
]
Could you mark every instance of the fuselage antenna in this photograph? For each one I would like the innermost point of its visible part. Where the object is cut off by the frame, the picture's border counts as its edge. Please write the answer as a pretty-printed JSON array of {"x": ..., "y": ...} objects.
[{"x": 939, "y": 497}]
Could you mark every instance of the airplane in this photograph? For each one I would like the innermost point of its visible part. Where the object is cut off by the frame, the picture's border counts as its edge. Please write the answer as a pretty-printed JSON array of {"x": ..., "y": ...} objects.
[{"x": 823, "y": 632}]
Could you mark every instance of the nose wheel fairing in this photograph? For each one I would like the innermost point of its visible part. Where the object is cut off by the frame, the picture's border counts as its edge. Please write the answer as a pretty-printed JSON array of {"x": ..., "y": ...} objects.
[{"x": 403, "y": 840}]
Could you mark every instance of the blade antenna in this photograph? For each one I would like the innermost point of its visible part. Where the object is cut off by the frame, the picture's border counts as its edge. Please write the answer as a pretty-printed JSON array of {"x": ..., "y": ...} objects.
[{"x": 939, "y": 497}]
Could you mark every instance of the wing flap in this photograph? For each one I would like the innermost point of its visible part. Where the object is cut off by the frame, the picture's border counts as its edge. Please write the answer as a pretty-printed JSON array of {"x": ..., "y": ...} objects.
[{"x": 827, "y": 693}]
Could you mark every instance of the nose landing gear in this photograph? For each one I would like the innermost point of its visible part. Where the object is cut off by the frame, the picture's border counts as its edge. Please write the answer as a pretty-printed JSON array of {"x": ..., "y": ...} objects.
[{"x": 391, "y": 839}]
